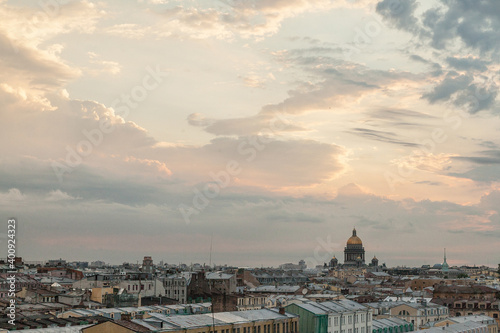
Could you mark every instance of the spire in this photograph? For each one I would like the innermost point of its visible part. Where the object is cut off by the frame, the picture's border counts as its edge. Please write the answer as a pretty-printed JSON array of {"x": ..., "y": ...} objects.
[
  {"x": 354, "y": 232},
  {"x": 445, "y": 266}
]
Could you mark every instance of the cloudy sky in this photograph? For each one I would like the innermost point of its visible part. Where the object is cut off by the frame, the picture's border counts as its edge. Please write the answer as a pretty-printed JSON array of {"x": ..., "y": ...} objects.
[{"x": 133, "y": 128}]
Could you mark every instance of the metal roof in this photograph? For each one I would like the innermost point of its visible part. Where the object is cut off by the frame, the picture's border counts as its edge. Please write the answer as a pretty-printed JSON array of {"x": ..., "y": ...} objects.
[{"x": 457, "y": 328}]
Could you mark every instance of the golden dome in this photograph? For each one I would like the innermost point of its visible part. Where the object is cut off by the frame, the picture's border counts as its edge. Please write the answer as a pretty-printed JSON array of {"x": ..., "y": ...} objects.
[{"x": 354, "y": 240}]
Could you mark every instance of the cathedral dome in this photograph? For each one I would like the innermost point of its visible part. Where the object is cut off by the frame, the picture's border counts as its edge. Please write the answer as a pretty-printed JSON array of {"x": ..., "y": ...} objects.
[{"x": 354, "y": 240}]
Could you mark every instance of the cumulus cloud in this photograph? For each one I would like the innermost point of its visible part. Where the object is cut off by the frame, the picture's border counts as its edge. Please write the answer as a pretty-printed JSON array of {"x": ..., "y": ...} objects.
[
  {"x": 58, "y": 195},
  {"x": 475, "y": 24},
  {"x": 228, "y": 19},
  {"x": 400, "y": 13},
  {"x": 464, "y": 34},
  {"x": 261, "y": 124},
  {"x": 12, "y": 194},
  {"x": 450, "y": 85}
]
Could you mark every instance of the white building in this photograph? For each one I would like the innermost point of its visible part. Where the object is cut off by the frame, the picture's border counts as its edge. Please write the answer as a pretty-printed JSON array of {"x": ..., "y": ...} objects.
[
  {"x": 176, "y": 286},
  {"x": 147, "y": 288},
  {"x": 345, "y": 316}
]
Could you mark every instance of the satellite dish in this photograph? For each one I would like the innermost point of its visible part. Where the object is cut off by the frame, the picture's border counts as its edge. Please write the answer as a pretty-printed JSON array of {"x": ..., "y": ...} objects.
[{"x": 304, "y": 291}]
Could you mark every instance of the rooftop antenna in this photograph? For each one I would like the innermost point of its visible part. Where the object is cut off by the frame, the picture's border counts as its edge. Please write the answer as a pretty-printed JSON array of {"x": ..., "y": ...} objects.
[{"x": 210, "y": 259}]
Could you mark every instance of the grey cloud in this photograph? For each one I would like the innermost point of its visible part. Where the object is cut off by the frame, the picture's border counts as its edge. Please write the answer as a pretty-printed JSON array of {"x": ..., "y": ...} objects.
[
  {"x": 477, "y": 98},
  {"x": 398, "y": 114},
  {"x": 400, "y": 13},
  {"x": 475, "y": 23},
  {"x": 242, "y": 220},
  {"x": 382, "y": 136},
  {"x": 436, "y": 68},
  {"x": 267, "y": 124},
  {"x": 492, "y": 157},
  {"x": 36, "y": 177},
  {"x": 468, "y": 63},
  {"x": 487, "y": 169},
  {"x": 396, "y": 118},
  {"x": 486, "y": 173},
  {"x": 489, "y": 144},
  {"x": 449, "y": 86},
  {"x": 418, "y": 58},
  {"x": 432, "y": 183}
]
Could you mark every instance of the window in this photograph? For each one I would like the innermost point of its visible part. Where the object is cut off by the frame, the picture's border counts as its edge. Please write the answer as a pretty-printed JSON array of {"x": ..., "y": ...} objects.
[{"x": 349, "y": 319}]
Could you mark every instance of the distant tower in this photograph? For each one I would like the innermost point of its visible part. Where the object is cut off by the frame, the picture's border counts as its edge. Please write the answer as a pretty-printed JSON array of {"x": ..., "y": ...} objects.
[
  {"x": 375, "y": 261},
  {"x": 147, "y": 265},
  {"x": 445, "y": 268},
  {"x": 359, "y": 261},
  {"x": 334, "y": 262}
]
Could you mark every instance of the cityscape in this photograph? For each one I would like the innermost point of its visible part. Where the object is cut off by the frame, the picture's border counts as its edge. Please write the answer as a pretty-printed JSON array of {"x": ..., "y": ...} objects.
[
  {"x": 250, "y": 166},
  {"x": 350, "y": 296}
]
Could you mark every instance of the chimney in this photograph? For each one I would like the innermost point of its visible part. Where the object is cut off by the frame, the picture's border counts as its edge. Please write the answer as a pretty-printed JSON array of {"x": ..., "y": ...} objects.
[
  {"x": 282, "y": 311},
  {"x": 126, "y": 316}
]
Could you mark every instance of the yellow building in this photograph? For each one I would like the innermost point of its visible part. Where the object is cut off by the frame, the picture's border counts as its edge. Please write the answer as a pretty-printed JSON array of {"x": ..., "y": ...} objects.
[{"x": 98, "y": 293}]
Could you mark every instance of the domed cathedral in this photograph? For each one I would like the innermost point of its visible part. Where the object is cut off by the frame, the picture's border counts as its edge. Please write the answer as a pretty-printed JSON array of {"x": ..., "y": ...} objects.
[{"x": 354, "y": 252}]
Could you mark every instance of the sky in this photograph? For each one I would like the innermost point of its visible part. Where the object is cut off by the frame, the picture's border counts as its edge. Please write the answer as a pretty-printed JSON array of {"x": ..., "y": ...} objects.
[{"x": 269, "y": 128}]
